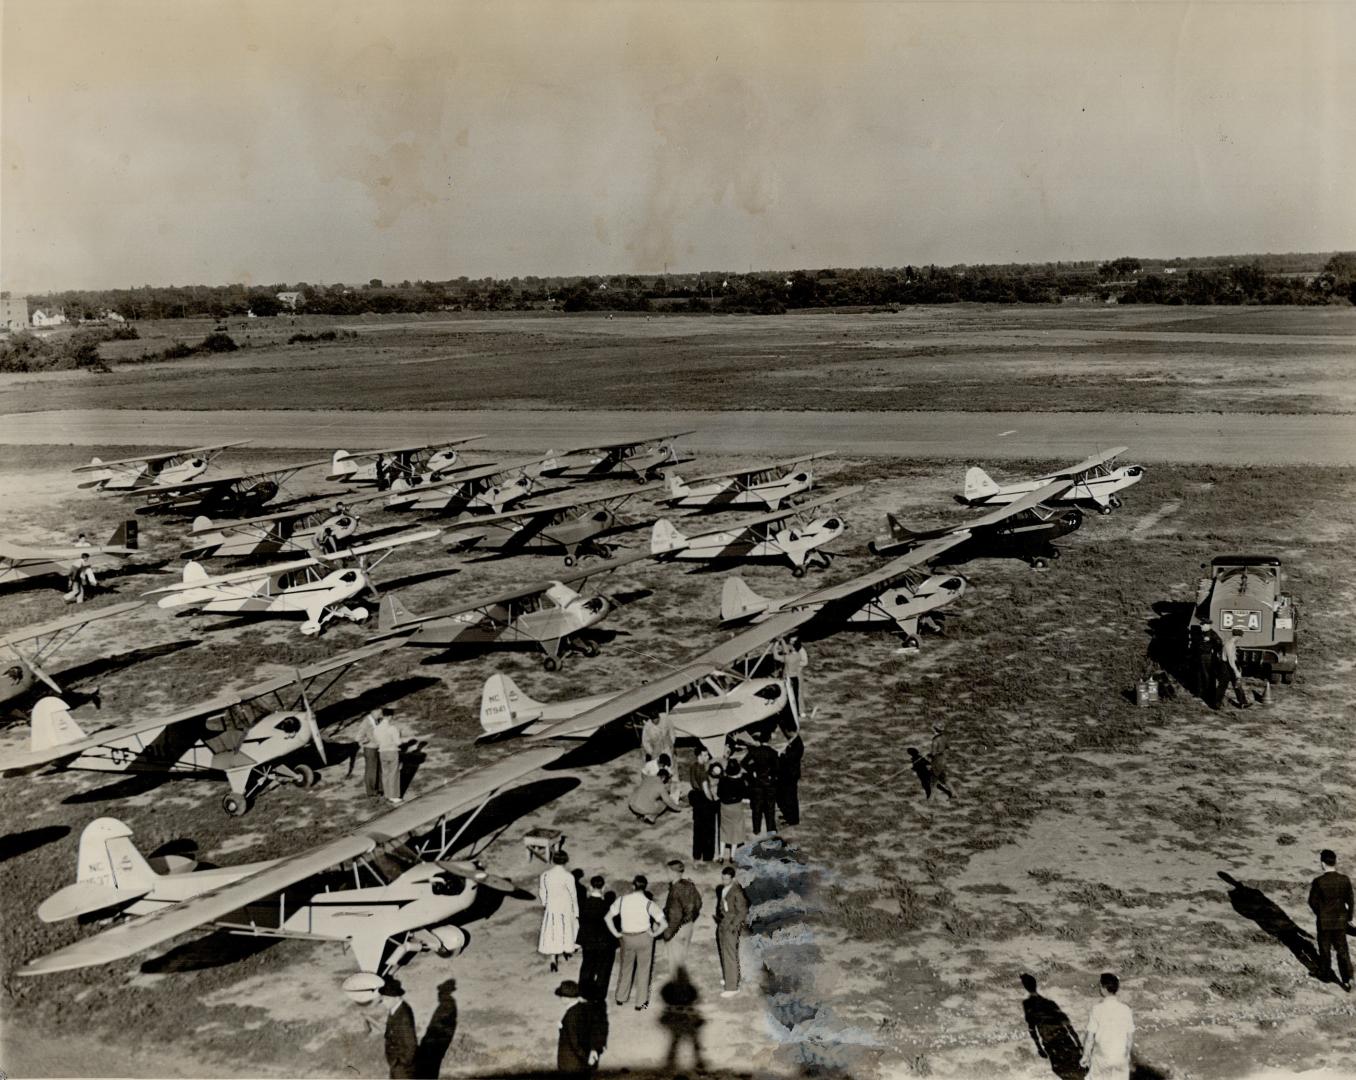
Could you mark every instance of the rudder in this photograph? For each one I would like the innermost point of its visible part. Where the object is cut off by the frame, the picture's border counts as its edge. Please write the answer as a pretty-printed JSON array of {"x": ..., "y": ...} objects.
[
  {"x": 51, "y": 724},
  {"x": 739, "y": 602},
  {"x": 978, "y": 484},
  {"x": 501, "y": 703},
  {"x": 108, "y": 857},
  {"x": 664, "y": 537},
  {"x": 124, "y": 536}
]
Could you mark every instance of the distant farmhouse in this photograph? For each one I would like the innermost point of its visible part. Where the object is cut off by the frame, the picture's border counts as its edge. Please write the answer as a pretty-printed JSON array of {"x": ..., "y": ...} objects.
[
  {"x": 49, "y": 318},
  {"x": 290, "y": 300},
  {"x": 13, "y": 312}
]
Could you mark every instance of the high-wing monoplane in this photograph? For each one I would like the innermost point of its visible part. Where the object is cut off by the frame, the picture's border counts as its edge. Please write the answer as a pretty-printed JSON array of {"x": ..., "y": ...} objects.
[
  {"x": 318, "y": 587},
  {"x": 161, "y": 470},
  {"x": 1024, "y": 529},
  {"x": 235, "y": 494},
  {"x": 1094, "y": 482},
  {"x": 799, "y": 541},
  {"x": 25, "y": 653},
  {"x": 900, "y": 595},
  {"x": 310, "y": 529},
  {"x": 384, "y": 899},
  {"x": 547, "y": 615},
  {"x": 572, "y": 528},
  {"x": 255, "y": 737},
  {"x": 19, "y": 563},
  {"x": 485, "y": 489},
  {"x": 768, "y": 486},
  {"x": 384, "y": 467},
  {"x": 642, "y": 460}
]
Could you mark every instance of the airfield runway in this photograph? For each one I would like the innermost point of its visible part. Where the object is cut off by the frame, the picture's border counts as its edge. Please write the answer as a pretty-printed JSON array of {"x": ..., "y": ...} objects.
[{"x": 1192, "y": 438}]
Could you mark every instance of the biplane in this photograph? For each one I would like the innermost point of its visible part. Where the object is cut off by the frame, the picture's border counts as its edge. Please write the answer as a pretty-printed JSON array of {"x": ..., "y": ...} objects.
[
  {"x": 163, "y": 470},
  {"x": 254, "y": 737},
  {"x": 383, "y": 899},
  {"x": 318, "y": 587},
  {"x": 384, "y": 467},
  {"x": 19, "y": 563},
  {"x": 1024, "y": 529},
  {"x": 310, "y": 529},
  {"x": 236, "y": 494},
  {"x": 33, "y": 647},
  {"x": 901, "y": 595},
  {"x": 642, "y": 460},
  {"x": 571, "y": 528},
  {"x": 1093, "y": 482},
  {"x": 485, "y": 489},
  {"x": 768, "y": 486},
  {"x": 799, "y": 542},
  {"x": 707, "y": 699},
  {"x": 548, "y": 615}
]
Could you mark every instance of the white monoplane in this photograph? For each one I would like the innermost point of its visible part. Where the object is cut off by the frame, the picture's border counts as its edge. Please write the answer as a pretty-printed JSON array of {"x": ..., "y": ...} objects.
[
  {"x": 485, "y": 489},
  {"x": 764, "y": 537},
  {"x": 161, "y": 470},
  {"x": 768, "y": 486},
  {"x": 312, "y": 529},
  {"x": 19, "y": 563},
  {"x": 384, "y": 467},
  {"x": 254, "y": 737},
  {"x": 572, "y": 528},
  {"x": 319, "y": 587},
  {"x": 34, "y": 646},
  {"x": 642, "y": 459},
  {"x": 383, "y": 899},
  {"x": 235, "y": 494},
  {"x": 1095, "y": 481}
]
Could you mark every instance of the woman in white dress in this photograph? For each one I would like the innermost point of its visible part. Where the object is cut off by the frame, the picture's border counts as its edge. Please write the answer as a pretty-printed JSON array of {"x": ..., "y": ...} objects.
[{"x": 560, "y": 919}]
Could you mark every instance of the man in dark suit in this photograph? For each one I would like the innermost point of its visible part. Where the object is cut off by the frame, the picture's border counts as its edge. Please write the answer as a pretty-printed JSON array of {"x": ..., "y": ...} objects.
[
  {"x": 788, "y": 779},
  {"x": 597, "y": 946},
  {"x": 402, "y": 1044},
  {"x": 760, "y": 764},
  {"x": 1330, "y": 900},
  {"x": 583, "y": 1033},
  {"x": 732, "y": 912}
]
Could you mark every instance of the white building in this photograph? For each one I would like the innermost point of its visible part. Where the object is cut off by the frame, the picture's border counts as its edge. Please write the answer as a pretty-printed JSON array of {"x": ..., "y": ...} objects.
[
  {"x": 290, "y": 299},
  {"x": 49, "y": 318},
  {"x": 13, "y": 312}
]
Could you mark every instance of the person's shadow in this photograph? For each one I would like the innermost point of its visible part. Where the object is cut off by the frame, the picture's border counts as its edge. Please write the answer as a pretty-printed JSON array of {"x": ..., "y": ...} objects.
[
  {"x": 683, "y": 1020},
  {"x": 922, "y": 769},
  {"x": 1268, "y": 915},
  {"x": 1053, "y": 1033},
  {"x": 442, "y": 1027}
]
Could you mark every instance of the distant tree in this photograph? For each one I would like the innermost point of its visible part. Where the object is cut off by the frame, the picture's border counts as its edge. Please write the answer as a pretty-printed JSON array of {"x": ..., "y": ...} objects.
[
  {"x": 375, "y": 283},
  {"x": 263, "y": 304}
]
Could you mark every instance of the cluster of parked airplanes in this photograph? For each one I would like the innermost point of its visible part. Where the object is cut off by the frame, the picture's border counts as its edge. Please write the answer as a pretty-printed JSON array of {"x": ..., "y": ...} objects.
[{"x": 398, "y": 869}]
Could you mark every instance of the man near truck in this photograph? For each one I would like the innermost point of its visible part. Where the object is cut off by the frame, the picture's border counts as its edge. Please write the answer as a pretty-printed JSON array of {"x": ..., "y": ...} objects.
[{"x": 1234, "y": 665}]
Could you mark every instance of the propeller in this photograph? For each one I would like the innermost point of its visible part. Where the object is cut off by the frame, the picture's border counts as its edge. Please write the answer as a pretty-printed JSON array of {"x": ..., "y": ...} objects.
[
  {"x": 310, "y": 719},
  {"x": 471, "y": 872}
]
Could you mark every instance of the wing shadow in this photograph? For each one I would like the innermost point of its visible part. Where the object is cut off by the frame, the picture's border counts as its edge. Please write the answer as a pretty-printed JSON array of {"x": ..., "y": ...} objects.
[
  {"x": 415, "y": 579},
  {"x": 215, "y": 950},
  {"x": 21, "y": 843}
]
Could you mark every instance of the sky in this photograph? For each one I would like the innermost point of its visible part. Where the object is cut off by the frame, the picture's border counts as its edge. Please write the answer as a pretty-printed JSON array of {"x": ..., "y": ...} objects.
[{"x": 214, "y": 141}]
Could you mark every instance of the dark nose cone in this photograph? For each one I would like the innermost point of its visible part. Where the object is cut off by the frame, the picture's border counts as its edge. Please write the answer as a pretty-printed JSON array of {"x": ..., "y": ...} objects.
[
  {"x": 833, "y": 523},
  {"x": 954, "y": 584},
  {"x": 1135, "y": 470},
  {"x": 595, "y": 605}
]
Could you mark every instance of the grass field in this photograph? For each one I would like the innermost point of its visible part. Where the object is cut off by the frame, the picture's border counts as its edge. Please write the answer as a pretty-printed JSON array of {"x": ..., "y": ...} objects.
[
  {"x": 932, "y": 358},
  {"x": 1087, "y": 833}
]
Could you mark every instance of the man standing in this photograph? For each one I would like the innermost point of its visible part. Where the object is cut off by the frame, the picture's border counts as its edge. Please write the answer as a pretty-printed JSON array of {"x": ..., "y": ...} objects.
[
  {"x": 794, "y": 662},
  {"x": 760, "y": 764},
  {"x": 732, "y": 911},
  {"x": 598, "y": 947},
  {"x": 1110, "y": 1036},
  {"x": 657, "y": 737},
  {"x": 1331, "y": 902},
  {"x": 937, "y": 762},
  {"x": 583, "y": 1033},
  {"x": 367, "y": 739},
  {"x": 388, "y": 746},
  {"x": 402, "y": 1044},
  {"x": 1234, "y": 670},
  {"x": 681, "y": 908},
  {"x": 636, "y": 921},
  {"x": 788, "y": 778}
]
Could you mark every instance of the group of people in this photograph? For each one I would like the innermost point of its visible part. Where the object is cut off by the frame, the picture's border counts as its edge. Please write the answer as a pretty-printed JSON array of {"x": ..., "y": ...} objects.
[
  {"x": 1103, "y": 1053},
  {"x": 380, "y": 739}
]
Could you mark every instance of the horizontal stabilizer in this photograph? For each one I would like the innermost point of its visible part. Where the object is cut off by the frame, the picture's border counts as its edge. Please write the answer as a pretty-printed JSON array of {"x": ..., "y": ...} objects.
[{"x": 84, "y": 898}]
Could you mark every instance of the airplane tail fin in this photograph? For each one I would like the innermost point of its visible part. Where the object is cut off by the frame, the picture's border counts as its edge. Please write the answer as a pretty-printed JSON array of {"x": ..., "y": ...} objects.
[
  {"x": 738, "y": 602},
  {"x": 96, "y": 460},
  {"x": 202, "y": 523},
  {"x": 392, "y": 614},
  {"x": 341, "y": 465},
  {"x": 664, "y": 537},
  {"x": 108, "y": 856},
  {"x": 677, "y": 489},
  {"x": 52, "y": 725},
  {"x": 124, "y": 536},
  {"x": 898, "y": 531},
  {"x": 978, "y": 484},
  {"x": 194, "y": 574},
  {"x": 500, "y": 703}
]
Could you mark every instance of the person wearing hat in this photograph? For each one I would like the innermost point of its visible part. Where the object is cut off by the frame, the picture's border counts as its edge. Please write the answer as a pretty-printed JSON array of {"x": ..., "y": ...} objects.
[
  {"x": 388, "y": 746},
  {"x": 583, "y": 1032},
  {"x": 367, "y": 739},
  {"x": 402, "y": 1043},
  {"x": 636, "y": 921},
  {"x": 937, "y": 760},
  {"x": 560, "y": 916}
]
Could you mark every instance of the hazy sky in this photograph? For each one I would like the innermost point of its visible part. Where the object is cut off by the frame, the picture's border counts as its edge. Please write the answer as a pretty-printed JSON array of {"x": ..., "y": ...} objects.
[{"x": 207, "y": 141}]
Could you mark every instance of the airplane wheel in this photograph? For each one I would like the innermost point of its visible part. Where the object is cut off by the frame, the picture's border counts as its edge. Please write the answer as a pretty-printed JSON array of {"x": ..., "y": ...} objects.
[
  {"x": 305, "y": 776},
  {"x": 797, "y": 571},
  {"x": 551, "y": 664},
  {"x": 234, "y": 804},
  {"x": 1039, "y": 564},
  {"x": 660, "y": 475},
  {"x": 569, "y": 560},
  {"x": 1106, "y": 511},
  {"x": 1116, "y": 502},
  {"x": 590, "y": 648}
]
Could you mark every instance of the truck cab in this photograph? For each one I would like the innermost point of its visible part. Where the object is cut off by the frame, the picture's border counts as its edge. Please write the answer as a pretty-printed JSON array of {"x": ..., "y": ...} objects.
[{"x": 1246, "y": 592}]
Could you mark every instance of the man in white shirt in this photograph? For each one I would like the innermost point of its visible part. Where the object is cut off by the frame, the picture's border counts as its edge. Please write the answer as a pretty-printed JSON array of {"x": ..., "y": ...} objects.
[
  {"x": 1110, "y": 1036},
  {"x": 636, "y": 921},
  {"x": 367, "y": 740},
  {"x": 388, "y": 745}
]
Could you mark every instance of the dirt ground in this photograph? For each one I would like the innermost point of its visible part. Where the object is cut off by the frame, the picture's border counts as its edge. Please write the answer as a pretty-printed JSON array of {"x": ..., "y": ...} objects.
[{"x": 888, "y": 936}]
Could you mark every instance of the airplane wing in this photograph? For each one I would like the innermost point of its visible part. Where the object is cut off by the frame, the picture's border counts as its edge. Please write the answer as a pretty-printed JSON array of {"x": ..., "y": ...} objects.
[
  {"x": 27, "y": 761},
  {"x": 776, "y": 515},
  {"x": 482, "y": 602},
  {"x": 324, "y": 506},
  {"x": 785, "y": 463},
  {"x": 626, "y": 444},
  {"x": 480, "y": 472},
  {"x": 414, "y": 536},
  {"x": 20, "y": 555},
  {"x": 190, "y": 487},
  {"x": 130, "y": 938},
  {"x": 1012, "y": 509},
  {"x": 882, "y": 577},
  {"x": 362, "y": 455},
  {"x": 236, "y": 576},
  {"x": 1076, "y": 471},
  {"x": 548, "y": 510},
  {"x": 145, "y": 458},
  {"x": 42, "y": 630}
]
